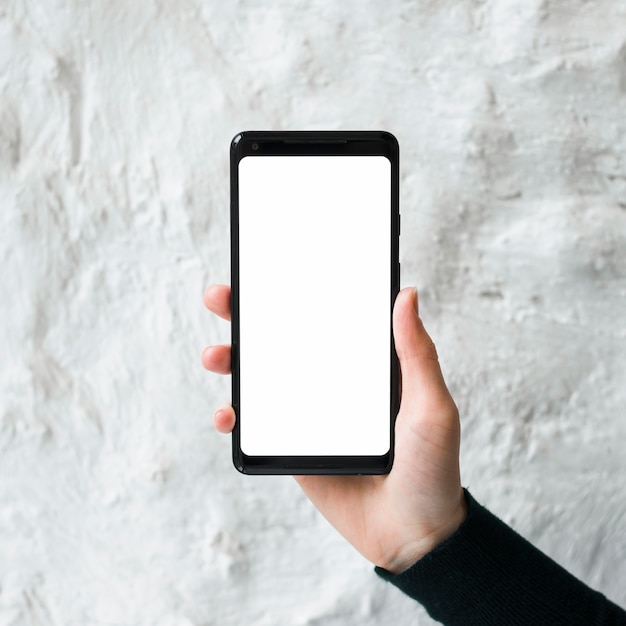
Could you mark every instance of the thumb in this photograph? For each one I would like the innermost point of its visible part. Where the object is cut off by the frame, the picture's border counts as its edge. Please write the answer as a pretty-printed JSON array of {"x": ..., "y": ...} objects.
[{"x": 422, "y": 380}]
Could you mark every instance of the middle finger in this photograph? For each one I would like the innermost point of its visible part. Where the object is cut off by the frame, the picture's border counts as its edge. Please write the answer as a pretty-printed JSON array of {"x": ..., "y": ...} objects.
[{"x": 217, "y": 359}]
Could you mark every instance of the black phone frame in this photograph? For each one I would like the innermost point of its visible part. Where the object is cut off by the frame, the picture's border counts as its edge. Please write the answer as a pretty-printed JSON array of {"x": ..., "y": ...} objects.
[{"x": 306, "y": 143}]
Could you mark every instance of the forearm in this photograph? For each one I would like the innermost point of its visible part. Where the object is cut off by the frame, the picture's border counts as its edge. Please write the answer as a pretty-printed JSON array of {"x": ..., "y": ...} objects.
[{"x": 486, "y": 573}]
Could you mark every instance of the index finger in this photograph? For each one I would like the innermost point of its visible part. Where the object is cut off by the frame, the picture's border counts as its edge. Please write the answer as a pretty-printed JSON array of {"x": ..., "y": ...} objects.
[{"x": 217, "y": 300}]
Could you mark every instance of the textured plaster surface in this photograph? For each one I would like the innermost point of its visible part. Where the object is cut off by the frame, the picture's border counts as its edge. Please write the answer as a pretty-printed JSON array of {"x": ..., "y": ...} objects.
[{"x": 118, "y": 501}]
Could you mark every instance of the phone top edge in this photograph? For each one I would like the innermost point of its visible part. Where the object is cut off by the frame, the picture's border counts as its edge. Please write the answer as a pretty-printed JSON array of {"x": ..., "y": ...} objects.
[
  {"x": 263, "y": 143},
  {"x": 236, "y": 140},
  {"x": 293, "y": 134}
]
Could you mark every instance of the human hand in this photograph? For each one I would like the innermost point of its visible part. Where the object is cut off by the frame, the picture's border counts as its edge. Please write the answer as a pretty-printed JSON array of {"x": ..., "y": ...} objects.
[{"x": 395, "y": 519}]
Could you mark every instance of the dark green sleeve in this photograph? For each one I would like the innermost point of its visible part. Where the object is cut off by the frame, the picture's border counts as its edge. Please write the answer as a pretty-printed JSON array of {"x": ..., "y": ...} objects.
[{"x": 488, "y": 574}]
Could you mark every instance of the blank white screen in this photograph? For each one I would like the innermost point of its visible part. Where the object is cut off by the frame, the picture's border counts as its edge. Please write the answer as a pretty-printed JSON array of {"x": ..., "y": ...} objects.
[{"x": 315, "y": 285}]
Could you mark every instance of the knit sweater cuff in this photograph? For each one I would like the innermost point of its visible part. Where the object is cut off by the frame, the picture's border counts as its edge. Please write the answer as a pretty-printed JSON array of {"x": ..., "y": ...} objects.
[{"x": 486, "y": 573}]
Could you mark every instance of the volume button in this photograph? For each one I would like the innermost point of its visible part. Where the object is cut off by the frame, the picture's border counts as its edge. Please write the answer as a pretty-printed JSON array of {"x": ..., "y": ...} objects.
[{"x": 399, "y": 223}]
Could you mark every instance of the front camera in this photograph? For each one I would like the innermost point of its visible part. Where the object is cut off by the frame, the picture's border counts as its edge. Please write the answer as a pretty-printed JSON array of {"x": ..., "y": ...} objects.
[{"x": 255, "y": 146}]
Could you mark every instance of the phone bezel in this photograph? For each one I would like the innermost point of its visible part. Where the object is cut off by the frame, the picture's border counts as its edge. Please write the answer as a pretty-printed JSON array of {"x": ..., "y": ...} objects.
[{"x": 306, "y": 143}]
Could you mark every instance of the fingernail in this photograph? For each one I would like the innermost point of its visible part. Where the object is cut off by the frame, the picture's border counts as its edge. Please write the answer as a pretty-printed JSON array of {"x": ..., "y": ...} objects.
[
  {"x": 415, "y": 299},
  {"x": 221, "y": 411}
]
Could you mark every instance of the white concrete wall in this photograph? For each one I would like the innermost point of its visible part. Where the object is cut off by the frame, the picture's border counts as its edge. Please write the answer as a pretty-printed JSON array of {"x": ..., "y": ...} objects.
[{"x": 118, "y": 501}]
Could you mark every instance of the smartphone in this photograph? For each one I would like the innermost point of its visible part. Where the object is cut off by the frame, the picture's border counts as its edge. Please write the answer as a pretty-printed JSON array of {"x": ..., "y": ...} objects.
[{"x": 315, "y": 271}]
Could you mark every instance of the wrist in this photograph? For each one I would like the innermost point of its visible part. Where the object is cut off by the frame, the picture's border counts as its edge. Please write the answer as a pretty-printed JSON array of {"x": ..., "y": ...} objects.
[{"x": 413, "y": 550}]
